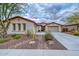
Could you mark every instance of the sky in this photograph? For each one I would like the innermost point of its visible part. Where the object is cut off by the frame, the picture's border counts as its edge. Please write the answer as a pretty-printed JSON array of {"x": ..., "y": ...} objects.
[{"x": 49, "y": 12}]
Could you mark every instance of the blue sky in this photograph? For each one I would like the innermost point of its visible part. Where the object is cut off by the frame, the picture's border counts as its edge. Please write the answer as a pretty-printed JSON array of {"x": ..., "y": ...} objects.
[{"x": 49, "y": 12}]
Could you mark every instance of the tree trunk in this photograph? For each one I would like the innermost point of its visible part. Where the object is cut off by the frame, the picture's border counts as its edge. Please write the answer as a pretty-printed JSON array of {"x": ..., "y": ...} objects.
[{"x": 5, "y": 33}]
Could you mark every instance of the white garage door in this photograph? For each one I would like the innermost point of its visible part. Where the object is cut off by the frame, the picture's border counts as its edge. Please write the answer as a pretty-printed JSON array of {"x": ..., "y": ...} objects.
[{"x": 53, "y": 28}]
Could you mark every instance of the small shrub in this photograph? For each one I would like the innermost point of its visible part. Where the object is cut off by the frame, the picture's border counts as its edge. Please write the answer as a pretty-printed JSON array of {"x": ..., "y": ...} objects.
[
  {"x": 31, "y": 34},
  {"x": 2, "y": 40},
  {"x": 48, "y": 36},
  {"x": 76, "y": 33},
  {"x": 16, "y": 36}
]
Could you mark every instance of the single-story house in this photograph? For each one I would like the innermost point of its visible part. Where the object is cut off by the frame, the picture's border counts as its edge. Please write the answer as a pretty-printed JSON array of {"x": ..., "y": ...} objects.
[{"x": 20, "y": 25}]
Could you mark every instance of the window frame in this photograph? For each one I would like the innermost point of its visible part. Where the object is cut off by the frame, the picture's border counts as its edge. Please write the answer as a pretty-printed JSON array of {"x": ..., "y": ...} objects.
[
  {"x": 14, "y": 26},
  {"x": 19, "y": 26},
  {"x": 24, "y": 26}
]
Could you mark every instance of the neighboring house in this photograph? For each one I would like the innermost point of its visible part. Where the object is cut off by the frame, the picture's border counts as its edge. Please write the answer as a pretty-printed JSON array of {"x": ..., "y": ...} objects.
[{"x": 20, "y": 25}]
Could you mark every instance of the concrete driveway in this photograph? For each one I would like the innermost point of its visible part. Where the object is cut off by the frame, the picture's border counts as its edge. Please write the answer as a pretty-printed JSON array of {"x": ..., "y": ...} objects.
[{"x": 69, "y": 41}]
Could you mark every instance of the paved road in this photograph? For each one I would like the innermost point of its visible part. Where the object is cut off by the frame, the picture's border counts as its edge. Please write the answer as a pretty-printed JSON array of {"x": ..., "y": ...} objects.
[{"x": 69, "y": 41}]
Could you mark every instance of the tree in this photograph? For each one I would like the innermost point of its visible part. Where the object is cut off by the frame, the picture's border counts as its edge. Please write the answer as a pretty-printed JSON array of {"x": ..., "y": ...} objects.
[
  {"x": 7, "y": 10},
  {"x": 73, "y": 19}
]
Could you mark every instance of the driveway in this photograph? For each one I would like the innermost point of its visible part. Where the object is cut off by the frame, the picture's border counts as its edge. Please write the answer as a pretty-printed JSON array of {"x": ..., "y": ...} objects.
[{"x": 69, "y": 41}]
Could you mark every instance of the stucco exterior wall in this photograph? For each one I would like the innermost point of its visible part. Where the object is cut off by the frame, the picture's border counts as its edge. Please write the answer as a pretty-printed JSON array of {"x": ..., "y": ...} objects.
[
  {"x": 53, "y": 25},
  {"x": 70, "y": 28},
  {"x": 21, "y": 21}
]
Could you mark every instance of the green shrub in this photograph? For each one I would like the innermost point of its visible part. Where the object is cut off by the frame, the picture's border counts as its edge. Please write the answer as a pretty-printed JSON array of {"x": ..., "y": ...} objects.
[
  {"x": 76, "y": 33},
  {"x": 16, "y": 36},
  {"x": 48, "y": 36},
  {"x": 2, "y": 40}
]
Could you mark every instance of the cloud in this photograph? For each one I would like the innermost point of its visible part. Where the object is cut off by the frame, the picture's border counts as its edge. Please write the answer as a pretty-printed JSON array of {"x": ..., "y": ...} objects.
[{"x": 37, "y": 12}]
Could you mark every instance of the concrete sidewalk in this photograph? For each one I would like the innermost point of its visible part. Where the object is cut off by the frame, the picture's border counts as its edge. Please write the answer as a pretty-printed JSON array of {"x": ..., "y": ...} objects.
[{"x": 29, "y": 52}]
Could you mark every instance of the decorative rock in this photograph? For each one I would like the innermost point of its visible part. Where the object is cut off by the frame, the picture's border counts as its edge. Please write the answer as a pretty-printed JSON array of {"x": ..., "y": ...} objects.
[
  {"x": 31, "y": 42},
  {"x": 50, "y": 42}
]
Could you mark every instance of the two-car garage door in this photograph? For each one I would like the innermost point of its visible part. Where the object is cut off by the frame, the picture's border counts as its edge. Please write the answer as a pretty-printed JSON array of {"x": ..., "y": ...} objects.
[{"x": 53, "y": 28}]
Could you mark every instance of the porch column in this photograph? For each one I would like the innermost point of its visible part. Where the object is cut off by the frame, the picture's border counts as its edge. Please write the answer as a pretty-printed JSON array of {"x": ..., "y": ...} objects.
[
  {"x": 21, "y": 27},
  {"x": 16, "y": 26},
  {"x": 46, "y": 28},
  {"x": 60, "y": 28}
]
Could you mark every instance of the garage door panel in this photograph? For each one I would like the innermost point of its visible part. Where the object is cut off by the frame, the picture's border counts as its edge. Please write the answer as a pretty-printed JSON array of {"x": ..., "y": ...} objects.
[{"x": 53, "y": 28}]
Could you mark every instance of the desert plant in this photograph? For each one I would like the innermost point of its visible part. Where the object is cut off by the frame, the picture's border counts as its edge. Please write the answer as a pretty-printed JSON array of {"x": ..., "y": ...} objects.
[
  {"x": 28, "y": 33},
  {"x": 16, "y": 36},
  {"x": 48, "y": 36},
  {"x": 76, "y": 33},
  {"x": 33, "y": 35},
  {"x": 2, "y": 40}
]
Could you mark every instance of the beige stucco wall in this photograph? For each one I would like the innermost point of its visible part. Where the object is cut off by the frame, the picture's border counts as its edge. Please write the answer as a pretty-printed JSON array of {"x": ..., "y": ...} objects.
[
  {"x": 71, "y": 27},
  {"x": 53, "y": 25},
  {"x": 21, "y": 21}
]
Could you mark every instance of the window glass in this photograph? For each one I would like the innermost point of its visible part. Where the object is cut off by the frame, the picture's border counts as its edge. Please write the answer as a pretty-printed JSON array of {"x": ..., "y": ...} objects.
[
  {"x": 29, "y": 27},
  {"x": 14, "y": 27},
  {"x": 24, "y": 26}
]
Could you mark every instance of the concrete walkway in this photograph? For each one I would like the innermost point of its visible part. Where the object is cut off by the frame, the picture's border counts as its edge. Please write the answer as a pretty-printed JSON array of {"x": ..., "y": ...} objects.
[
  {"x": 69, "y": 41},
  {"x": 29, "y": 52}
]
